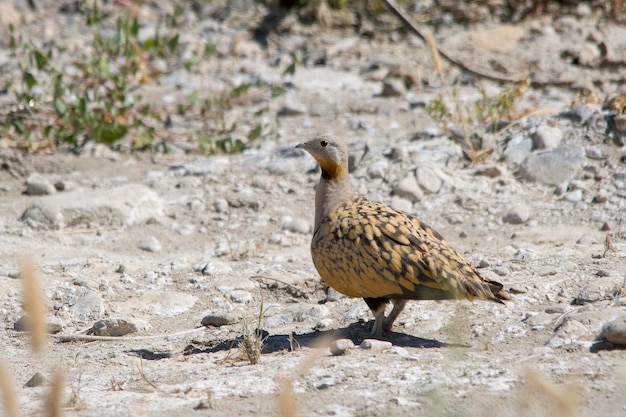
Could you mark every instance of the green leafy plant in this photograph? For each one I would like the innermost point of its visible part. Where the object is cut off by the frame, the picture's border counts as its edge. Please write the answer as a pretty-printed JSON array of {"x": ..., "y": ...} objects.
[{"x": 92, "y": 98}]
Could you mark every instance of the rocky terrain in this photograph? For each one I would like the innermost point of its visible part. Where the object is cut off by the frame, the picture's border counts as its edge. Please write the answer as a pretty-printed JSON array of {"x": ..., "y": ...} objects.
[{"x": 181, "y": 254}]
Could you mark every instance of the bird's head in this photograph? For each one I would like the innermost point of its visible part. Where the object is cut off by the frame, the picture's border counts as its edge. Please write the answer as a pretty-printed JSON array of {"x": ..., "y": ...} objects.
[{"x": 332, "y": 155}]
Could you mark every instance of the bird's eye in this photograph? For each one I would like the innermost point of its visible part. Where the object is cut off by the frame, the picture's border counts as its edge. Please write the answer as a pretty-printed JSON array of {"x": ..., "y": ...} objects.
[{"x": 324, "y": 144}]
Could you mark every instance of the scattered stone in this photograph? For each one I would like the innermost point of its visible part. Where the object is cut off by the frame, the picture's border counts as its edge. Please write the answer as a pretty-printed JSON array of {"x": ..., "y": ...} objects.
[
  {"x": 118, "y": 326},
  {"x": 214, "y": 165},
  {"x": 517, "y": 150},
  {"x": 570, "y": 331},
  {"x": 489, "y": 171},
  {"x": 615, "y": 331},
  {"x": 298, "y": 225},
  {"x": 375, "y": 344},
  {"x": 579, "y": 114},
  {"x": 64, "y": 186},
  {"x": 401, "y": 204},
  {"x": 393, "y": 87},
  {"x": 52, "y": 324},
  {"x": 547, "y": 137},
  {"x": 292, "y": 107},
  {"x": 598, "y": 289},
  {"x": 341, "y": 346},
  {"x": 37, "y": 380},
  {"x": 378, "y": 169},
  {"x": 240, "y": 296},
  {"x": 408, "y": 188},
  {"x": 428, "y": 179},
  {"x": 37, "y": 184},
  {"x": 122, "y": 206},
  {"x": 88, "y": 307},
  {"x": 555, "y": 166},
  {"x": 220, "y": 205},
  {"x": 214, "y": 267},
  {"x": 149, "y": 244},
  {"x": 605, "y": 227},
  {"x": 574, "y": 196},
  {"x": 218, "y": 320},
  {"x": 517, "y": 214},
  {"x": 323, "y": 324}
]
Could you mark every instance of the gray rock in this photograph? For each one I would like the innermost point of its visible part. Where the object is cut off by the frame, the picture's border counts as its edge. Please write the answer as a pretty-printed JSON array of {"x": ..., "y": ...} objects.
[
  {"x": 52, "y": 324},
  {"x": 375, "y": 344},
  {"x": 600, "y": 288},
  {"x": 218, "y": 319},
  {"x": 37, "y": 380},
  {"x": 214, "y": 267},
  {"x": 428, "y": 179},
  {"x": 517, "y": 150},
  {"x": 220, "y": 205},
  {"x": 43, "y": 216},
  {"x": 118, "y": 326},
  {"x": 89, "y": 307},
  {"x": 149, "y": 244},
  {"x": 615, "y": 331},
  {"x": 553, "y": 167},
  {"x": 309, "y": 313},
  {"x": 393, "y": 87},
  {"x": 401, "y": 204},
  {"x": 324, "y": 78},
  {"x": 292, "y": 108},
  {"x": 408, "y": 188},
  {"x": 580, "y": 113},
  {"x": 122, "y": 206},
  {"x": 203, "y": 166},
  {"x": 341, "y": 346},
  {"x": 37, "y": 184},
  {"x": 574, "y": 196},
  {"x": 547, "y": 137},
  {"x": 298, "y": 225},
  {"x": 240, "y": 296},
  {"x": 517, "y": 214},
  {"x": 378, "y": 169}
]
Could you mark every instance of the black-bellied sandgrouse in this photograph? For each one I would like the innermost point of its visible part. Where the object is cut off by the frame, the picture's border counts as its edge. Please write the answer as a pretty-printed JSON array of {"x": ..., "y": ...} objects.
[{"x": 372, "y": 251}]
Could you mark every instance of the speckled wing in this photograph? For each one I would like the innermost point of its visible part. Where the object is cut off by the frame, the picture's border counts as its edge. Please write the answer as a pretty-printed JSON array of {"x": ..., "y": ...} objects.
[{"x": 366, "y": 249}]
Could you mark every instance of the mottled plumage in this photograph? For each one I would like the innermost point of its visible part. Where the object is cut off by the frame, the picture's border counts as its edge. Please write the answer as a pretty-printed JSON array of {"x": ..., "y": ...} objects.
[{"x": 366, "y": 249}]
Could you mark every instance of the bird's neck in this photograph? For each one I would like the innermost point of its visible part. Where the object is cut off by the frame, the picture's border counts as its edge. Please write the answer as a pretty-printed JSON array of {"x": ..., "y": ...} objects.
[{"x": 331, "y": 192}]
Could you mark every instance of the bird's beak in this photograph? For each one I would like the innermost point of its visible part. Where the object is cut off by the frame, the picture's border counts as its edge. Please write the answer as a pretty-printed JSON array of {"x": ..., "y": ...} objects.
[{"x": 300, "y": 146}]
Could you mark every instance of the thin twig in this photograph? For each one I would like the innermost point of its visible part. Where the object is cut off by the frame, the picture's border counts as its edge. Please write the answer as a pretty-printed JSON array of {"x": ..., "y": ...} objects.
[{"x": 403, "y": 15}]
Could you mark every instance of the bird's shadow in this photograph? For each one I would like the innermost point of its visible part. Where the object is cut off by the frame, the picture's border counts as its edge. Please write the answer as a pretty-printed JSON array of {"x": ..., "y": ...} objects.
[{"x": 356, "y": 332}]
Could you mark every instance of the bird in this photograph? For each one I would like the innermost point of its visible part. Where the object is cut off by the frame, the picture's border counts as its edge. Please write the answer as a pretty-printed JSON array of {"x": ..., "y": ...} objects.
[{"x": 365, "y": 249}]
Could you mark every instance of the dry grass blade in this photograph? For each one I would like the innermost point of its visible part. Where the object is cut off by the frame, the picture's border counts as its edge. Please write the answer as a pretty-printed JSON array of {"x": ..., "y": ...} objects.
[
  {"x": 434, "y": 53},
  {"x": 34, "y": 305},
  {"x": 8, "y": 394},
  {"x": 287, "y": 401},
  {"x": 54, "y": 405}
]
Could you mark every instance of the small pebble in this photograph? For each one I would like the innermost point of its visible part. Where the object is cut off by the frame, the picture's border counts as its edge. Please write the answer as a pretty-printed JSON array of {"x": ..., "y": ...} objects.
[
  {"x": 378, "y": 169},
  {"x": 36, "y": 380},
  {"x": 240, "y": 296},
  {"x": 218, "y": 320},
  {"x": 375, "y": 344},
  {"x": 408, "y": 188},
  {"x": 615, "y": 331},
  {"x": 428, "y": 179},
  {"x": 341, "y": 346},
  {"x": 574, "y": 196},
  {"x": 547, "y": 137},
  {"x": 149, "y": 244},
  {"x": 298, "y": 225},
  {"x": 36, "y": 184},
  {"x": 517, "y": 214}
]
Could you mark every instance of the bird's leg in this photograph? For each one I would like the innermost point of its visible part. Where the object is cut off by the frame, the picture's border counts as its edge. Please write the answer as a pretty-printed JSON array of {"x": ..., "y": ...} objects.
[
  {"x": 398, "y": 306},
  {"x": 377, "y": 305}
]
